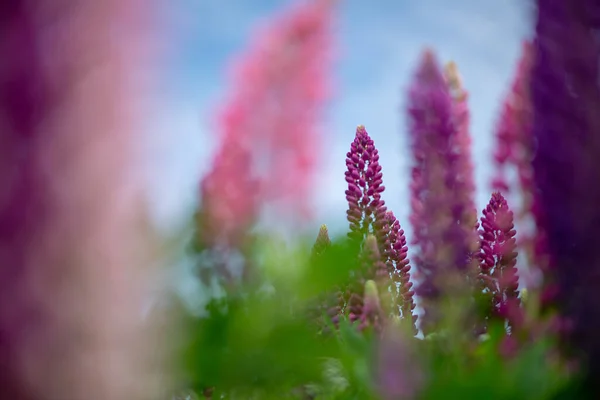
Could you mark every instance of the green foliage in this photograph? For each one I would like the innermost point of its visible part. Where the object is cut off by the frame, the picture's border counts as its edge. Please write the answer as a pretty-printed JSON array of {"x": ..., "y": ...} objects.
[
  {"x": 483, "y": 372},
  {"x": 257, "y": 344}
]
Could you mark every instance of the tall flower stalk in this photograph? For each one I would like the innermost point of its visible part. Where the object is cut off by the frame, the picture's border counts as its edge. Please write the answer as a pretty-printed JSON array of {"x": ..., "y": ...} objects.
[
  {"x": 443, "y": 242},
  {"x": 369, "y": 218}
]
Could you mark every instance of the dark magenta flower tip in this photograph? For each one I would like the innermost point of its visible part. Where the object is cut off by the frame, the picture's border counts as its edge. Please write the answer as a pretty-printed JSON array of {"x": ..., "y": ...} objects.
[{"x": 365, "y": 185}]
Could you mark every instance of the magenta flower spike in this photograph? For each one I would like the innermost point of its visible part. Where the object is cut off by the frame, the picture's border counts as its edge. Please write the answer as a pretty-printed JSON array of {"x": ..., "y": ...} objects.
[
  {"x": 514, "y": 146},
  {"x": 365, "y": 186},
  {"x": 444, "y": 240},
  {"x": 498, "y": 272},
  {"x": 372, "y": 223}
]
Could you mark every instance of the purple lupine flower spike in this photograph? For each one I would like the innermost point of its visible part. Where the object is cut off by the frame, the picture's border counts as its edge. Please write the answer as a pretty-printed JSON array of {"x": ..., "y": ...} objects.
[
  {"x": 444, "y": 241},
  {"x": 565, "y": 94},
  {"x": 498, "y": 272},
  {"x": 367, "y": 212},
  {"x": 365, "y": 185}
]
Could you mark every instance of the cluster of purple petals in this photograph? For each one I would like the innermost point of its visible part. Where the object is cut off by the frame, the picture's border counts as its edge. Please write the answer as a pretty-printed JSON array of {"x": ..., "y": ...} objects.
[
  {"x": 365, "y": 185},
  {"x": 368, "y": 216}
]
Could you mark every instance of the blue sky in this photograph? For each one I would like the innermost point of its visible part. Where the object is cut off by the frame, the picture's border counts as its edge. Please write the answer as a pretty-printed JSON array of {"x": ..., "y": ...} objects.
[{"x": 379, "y": 45}]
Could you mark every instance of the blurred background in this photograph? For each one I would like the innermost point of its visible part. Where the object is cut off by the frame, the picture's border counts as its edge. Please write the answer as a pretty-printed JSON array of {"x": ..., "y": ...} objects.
[{"x": 378, "y": 47}]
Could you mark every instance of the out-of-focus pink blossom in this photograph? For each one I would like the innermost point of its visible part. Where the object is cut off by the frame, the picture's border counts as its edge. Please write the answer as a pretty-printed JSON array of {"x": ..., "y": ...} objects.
[
  {"x": 268, "y": 130},
  {"x": 72, "y": 278}
]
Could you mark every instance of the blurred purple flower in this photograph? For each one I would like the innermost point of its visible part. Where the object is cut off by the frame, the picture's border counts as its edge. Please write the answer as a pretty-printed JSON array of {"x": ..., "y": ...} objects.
[
  {"x": 444, "y": 240},
  {"x": 565, "y": 92}
]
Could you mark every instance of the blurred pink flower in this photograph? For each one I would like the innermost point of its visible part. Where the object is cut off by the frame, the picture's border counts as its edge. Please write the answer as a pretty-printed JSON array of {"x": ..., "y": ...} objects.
[
  {"x": 72, "y": 251},
  {"x": 271, "y": 121}
]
